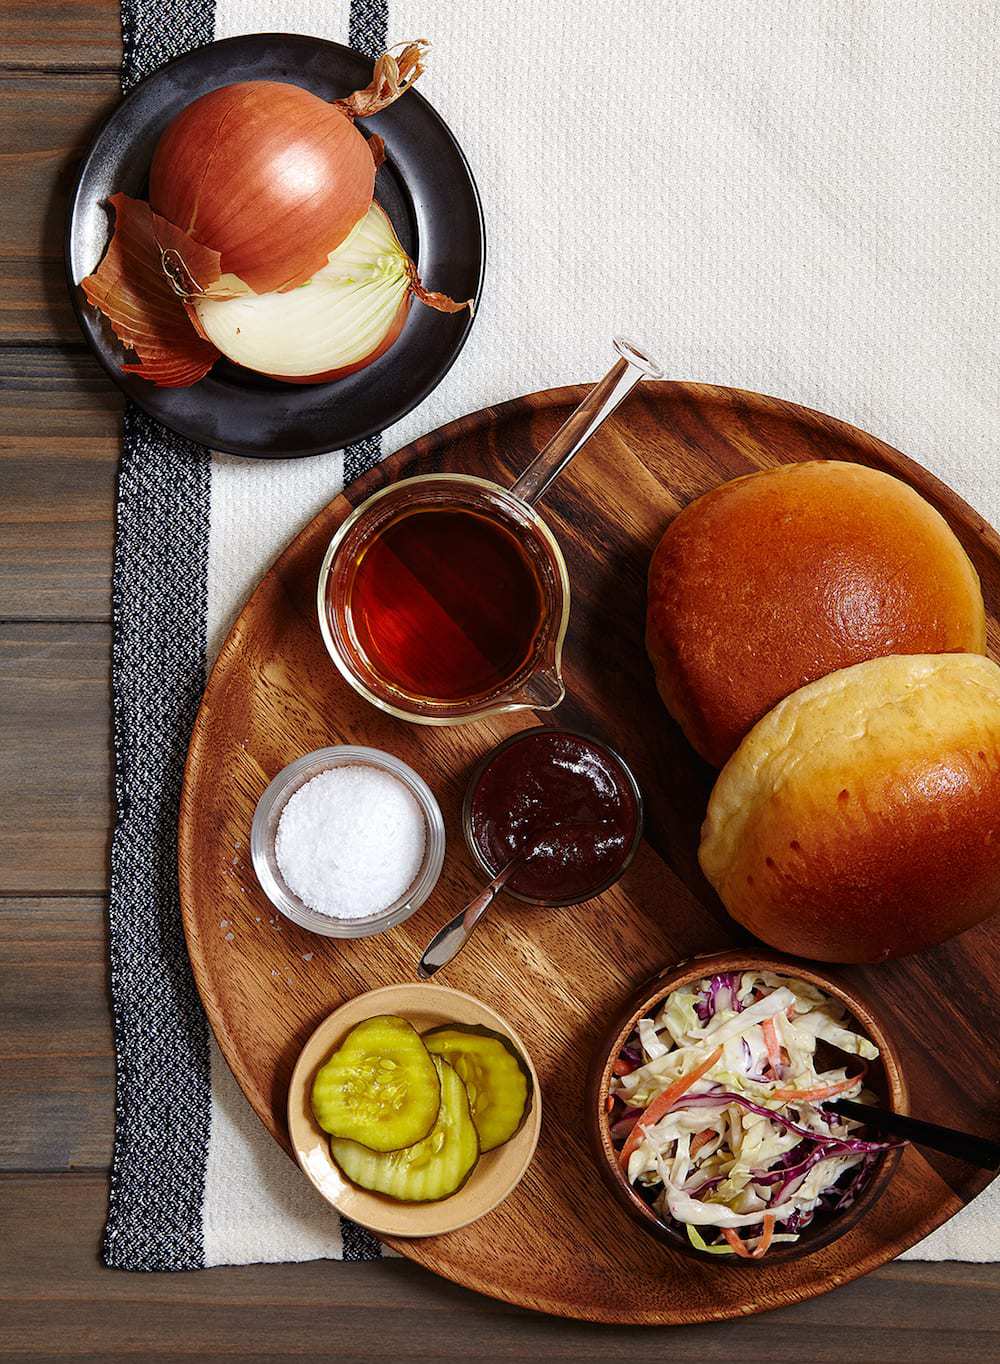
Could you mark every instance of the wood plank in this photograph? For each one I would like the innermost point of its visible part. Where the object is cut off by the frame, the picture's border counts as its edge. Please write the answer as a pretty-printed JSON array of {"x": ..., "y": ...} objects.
[
  {"x": 57, "y": 1070},
  {"x": 59, "y": 425},
  {"x": 71, "y": 35},
  {"x": 59, "y": 1303},
  {"x": 46, "y": 123},
  {"x": 55, "y": 761},
  {"x": 51, "y": 393}
]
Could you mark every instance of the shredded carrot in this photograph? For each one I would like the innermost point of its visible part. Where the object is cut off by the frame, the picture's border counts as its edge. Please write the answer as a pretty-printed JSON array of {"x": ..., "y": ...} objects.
[
  {"x": 622, "y": 1066},
  {"x": 610, "y": 1102},
  {"x": 699, "y": 1141},
  {"x": 663, "y": 1103},
  {"x": 760, "y": 1249},
  {"x": 773, "y": 1045},
  {"x": 820, "y": 1092}
]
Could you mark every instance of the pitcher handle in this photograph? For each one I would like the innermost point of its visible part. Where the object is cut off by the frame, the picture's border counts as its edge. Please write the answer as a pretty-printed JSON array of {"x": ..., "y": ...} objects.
[{"x": 578, "y": 428}]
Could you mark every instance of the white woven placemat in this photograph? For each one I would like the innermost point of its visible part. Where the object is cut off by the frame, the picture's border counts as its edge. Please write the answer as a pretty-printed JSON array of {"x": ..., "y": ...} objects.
[{"x": 796, "y": 199}]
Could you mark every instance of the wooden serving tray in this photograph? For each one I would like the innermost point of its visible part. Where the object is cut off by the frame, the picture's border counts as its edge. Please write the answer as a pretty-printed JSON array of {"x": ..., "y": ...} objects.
[{"x": 559, "y": 1243}]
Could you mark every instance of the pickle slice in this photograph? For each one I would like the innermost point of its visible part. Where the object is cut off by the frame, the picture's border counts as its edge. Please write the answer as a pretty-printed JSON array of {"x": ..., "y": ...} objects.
[
  {"x": 380, "y": 1087},
  {"x": 431, "y": 1169},
  {"x": 496, "y": 1080}
]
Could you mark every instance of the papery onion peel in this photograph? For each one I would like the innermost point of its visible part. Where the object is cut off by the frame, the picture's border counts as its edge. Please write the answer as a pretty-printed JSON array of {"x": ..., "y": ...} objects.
[
  {"x": 137, "y": 287},
  {"x": 344, "y": 318},
  {"x": 272, "y": 176}
]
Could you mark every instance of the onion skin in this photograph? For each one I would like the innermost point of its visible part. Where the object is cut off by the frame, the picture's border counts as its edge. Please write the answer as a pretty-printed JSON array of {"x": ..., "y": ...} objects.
[
  {"x": 132, "y": 290},
  {"x": 391, "y": 336},
  {"x": 235, "y": 134}
]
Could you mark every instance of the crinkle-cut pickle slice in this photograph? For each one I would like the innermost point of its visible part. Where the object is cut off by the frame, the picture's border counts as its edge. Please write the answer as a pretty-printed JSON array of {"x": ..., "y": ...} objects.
[
  {"x": 432, "y": 1169},
  {"x": 380, "y": 1086},
  {"x": 492, "y": 1074}
]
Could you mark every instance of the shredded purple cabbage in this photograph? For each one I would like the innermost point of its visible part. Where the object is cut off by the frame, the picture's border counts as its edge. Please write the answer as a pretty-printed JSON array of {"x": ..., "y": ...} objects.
[
  {"x": 837, "y": 1198},
  {"x": 792, "y": 1157},
  {"x": 621, "y": 1128},
  {"x": 748, "y": 1056},
  {"x": 722, "y": 993},
  {"x": 798, "y": 1220},
  {"x": 704, "y": 1188},
  {"x": 782, "y": 1174},
  {"x": 794, "y": 1176},
  {"x": 856, "y": 1144}
]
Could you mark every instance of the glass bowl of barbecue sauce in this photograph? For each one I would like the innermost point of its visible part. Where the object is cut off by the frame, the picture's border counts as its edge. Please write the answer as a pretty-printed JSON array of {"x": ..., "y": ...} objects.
[{"x": 569, "y": 800}]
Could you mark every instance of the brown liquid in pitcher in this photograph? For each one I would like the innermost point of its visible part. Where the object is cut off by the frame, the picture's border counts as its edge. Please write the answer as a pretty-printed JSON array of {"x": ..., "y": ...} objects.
[{"x": 446, "y": 604}]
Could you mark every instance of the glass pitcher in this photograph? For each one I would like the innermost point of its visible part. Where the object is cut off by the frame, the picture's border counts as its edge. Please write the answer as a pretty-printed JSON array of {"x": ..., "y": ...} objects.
[{"x": 536, "y": 683}]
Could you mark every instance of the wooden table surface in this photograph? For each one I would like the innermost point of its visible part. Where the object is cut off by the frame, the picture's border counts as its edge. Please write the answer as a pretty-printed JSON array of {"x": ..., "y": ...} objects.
[{"x": 59, "y": 422}]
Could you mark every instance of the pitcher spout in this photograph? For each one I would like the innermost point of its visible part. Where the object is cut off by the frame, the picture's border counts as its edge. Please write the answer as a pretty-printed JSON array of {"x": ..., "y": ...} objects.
[{"x": 544, "y": 690}]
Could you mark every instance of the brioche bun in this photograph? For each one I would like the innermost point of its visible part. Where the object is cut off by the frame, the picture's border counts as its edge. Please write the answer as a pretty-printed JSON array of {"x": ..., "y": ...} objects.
[
  {"x": 774, "y": 580},
  {"x": 860, "y": 819}
]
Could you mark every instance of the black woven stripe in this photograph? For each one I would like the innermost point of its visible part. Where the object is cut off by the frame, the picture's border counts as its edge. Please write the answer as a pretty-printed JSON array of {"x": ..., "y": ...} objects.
[
  {"x": 361, "y": 457},
  {"x": 163, "y": 1091},
  {"x": 368, "y": 26},
  {"x": 155, "y": 31},
  {"x": 163, "y": 1086}
]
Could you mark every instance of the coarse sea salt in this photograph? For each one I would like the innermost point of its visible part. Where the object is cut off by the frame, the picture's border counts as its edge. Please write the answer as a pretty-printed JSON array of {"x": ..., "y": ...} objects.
[{"x": 350, "y": 842}]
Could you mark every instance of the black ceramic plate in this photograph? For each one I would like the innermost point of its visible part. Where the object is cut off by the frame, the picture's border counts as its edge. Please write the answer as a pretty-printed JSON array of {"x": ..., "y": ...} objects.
[{"x": 425, "y": 186}]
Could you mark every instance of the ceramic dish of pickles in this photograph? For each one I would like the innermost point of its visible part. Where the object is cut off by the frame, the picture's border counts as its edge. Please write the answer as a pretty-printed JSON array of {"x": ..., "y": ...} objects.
[{"x": 414, "y": 1110}]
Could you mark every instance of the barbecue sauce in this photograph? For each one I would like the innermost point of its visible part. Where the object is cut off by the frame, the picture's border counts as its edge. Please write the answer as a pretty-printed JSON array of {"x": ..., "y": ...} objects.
[{"x": 572, "y": 790}]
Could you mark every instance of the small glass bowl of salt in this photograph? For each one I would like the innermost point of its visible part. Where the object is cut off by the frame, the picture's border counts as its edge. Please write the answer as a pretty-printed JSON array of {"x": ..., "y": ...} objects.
[{"x": 347, "y": 841}]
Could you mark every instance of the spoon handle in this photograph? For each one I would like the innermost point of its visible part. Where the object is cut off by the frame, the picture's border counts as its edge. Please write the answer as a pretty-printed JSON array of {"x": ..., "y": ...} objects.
[
  {"x": 979, "y": 1151},
  {"x": 448, "y": 941},
  {"x": 578, "y": 428}
]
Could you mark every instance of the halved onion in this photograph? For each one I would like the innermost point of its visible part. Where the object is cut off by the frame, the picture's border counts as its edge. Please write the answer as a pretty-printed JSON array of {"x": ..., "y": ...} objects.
[{"x": 342, "y": 319}]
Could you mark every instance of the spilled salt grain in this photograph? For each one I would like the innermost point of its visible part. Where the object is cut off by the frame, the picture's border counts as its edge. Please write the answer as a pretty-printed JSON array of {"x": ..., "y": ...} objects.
[{"x": 350, "y": 841}]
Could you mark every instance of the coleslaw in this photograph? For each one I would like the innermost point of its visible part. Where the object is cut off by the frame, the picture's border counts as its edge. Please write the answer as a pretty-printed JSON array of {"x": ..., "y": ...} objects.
[{"x": 721, "y": 1119}]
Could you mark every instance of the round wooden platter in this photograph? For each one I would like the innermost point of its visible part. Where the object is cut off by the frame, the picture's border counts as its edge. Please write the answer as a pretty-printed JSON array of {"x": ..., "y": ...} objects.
[{"x": 559, "y": 1243}]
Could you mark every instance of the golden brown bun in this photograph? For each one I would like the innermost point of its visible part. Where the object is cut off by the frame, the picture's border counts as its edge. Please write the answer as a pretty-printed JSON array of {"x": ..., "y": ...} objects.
[
  {"x": 860, "y": 819},
  {"x": 776, "y": 579}
]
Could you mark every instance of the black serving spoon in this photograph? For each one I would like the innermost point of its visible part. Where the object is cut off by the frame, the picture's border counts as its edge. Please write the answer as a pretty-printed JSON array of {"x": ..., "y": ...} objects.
[{"x": 979, "y": 1151}]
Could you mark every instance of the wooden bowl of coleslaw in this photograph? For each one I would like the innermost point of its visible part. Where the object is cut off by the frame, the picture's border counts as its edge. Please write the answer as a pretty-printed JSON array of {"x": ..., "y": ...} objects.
[{"x": 883, "y": 1078}]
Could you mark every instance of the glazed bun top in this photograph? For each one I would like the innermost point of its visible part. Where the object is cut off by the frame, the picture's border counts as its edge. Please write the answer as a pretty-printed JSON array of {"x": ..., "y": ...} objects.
[
  {"x": 860, "y": 819},
  {"x": 773, "y": 580}
]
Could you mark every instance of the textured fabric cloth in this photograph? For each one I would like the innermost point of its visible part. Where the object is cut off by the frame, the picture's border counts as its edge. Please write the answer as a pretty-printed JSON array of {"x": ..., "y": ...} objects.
[
  {"x": 793, "y": 199},
  {"x": 161, "y": 1035},
  {"x": 195, "y": 1181}
]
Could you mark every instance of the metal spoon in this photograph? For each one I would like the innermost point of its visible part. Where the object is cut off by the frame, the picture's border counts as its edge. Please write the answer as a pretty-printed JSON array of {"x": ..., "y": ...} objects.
[{"x": 448, "y": 941}]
